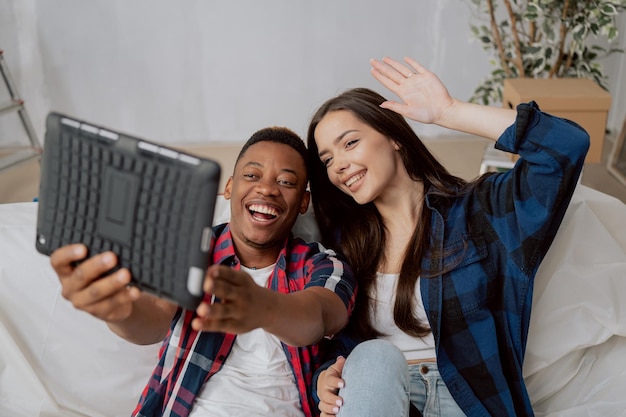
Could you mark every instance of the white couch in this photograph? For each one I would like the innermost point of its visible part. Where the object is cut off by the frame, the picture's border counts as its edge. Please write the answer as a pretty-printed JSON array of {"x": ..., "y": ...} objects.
[{"x": 56, "y": 361}]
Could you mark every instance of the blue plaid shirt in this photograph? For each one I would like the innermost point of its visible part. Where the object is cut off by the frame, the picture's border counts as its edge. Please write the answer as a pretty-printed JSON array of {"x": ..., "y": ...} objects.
[{"x": 494, "y": 239}]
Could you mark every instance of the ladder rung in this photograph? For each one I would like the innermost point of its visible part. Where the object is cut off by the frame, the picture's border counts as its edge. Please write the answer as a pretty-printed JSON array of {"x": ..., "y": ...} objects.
[
  {"x": 19, "y": 157},
  {"x": 17, "y": 104},
  {"x": 12, "y": 106}
]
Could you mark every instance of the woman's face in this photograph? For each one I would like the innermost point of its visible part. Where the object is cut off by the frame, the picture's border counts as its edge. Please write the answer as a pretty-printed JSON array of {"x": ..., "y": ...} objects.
[{"x": 359, "y": 160}]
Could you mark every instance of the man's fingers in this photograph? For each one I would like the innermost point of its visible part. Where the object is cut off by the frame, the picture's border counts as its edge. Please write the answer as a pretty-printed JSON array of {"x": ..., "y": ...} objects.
[
  {"x": 214, "y": 325},
  {"x": 95, "y": 292},
  {"x": 216, "y": 279},
  {"x": 86, "y": 279},
  {"x": 89, "y": 284},
  {"x": 228, "y": 284},
  {"x": 64, "y": 263},
  {"x": 63, "y": 259},
  {"x": 116, "y": 307}
]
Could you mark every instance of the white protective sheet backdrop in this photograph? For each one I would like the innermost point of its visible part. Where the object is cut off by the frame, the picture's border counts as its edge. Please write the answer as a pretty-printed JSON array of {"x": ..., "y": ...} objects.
[
  {"x": 576, "y": 354},
  {"x": 56, "y": 361}
]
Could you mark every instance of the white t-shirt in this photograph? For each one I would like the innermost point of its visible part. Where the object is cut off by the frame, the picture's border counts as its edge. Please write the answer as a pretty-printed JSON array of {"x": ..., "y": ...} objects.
[
  {"x": 382, "y": 319},
  {"x": 256, "y": 379}
]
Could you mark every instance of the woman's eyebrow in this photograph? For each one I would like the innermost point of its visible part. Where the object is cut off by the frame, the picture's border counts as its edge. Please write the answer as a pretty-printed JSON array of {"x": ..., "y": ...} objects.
[{"x": 336, "y": 140}]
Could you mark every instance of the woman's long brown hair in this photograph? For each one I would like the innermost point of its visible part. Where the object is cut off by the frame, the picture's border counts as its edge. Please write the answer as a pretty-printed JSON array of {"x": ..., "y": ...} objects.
[{"x": 357, "y": 230}]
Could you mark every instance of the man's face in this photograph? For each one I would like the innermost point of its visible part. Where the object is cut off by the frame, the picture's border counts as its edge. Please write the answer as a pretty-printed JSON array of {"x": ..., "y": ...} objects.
[{"x": 267, "y": 192}]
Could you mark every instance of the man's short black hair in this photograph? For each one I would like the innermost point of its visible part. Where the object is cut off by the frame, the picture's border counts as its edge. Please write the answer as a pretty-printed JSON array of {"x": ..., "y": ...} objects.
[{"x": 277, "y": 134}]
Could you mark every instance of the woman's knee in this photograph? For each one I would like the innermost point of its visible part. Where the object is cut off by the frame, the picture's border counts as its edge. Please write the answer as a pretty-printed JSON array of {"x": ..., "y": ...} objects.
[
  {"x": 376, "y": 379},
  {"x": 377, "y": 356}
]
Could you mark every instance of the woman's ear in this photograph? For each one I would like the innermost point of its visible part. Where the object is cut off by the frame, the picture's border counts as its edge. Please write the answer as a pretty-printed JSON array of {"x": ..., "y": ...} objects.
[{"x": 395, "y": 145}]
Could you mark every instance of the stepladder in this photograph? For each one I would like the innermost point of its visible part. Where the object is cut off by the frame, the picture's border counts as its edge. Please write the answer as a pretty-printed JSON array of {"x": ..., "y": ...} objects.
[{"x": 13, "y": 152}]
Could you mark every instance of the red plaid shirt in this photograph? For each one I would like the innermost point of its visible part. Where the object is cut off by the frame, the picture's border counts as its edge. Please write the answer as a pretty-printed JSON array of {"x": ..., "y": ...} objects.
[{"x": 189, "y": 358}]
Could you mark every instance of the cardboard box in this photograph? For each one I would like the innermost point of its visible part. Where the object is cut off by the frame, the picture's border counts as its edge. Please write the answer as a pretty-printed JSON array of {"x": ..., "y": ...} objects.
[{"x": 580, "y": 100}]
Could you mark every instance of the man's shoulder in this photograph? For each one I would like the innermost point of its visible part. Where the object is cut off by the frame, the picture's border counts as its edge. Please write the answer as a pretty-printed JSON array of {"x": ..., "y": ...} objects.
[
  {"x": 317, "y": 256},
  {"x": 297, "y": 245}
]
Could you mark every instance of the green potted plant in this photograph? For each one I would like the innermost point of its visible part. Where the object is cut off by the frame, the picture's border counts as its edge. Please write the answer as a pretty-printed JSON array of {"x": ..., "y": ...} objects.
[{"x": 544, "y": 39}]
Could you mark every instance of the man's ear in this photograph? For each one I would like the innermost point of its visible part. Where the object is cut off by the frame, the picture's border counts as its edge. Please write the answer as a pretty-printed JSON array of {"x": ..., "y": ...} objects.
[
  {"x": 228, "y": 188},
  {"x": 304, "y": 204}
]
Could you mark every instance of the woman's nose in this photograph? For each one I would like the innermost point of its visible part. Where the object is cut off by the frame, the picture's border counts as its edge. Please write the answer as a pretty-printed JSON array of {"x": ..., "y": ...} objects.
[{"x": 340, "y": 164}]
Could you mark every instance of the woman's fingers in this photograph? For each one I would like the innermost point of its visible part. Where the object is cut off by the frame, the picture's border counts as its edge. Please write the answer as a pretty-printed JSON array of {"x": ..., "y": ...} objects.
[
  {"x": 328, "y": 387},
  {"x": 385, "y": 72},
  {"x": 403, "y": 70},
  {"x": 419, "y": 69},
  {"x": 328, "y": 409},
  {"x": 330, "y": 402}
]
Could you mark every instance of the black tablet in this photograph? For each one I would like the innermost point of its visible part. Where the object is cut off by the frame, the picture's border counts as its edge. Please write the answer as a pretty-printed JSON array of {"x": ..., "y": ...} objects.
[{"x": 151, "y": 205}]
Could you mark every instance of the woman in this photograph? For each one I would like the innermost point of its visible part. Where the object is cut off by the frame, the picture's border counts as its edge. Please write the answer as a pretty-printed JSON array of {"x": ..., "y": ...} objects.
[{"x": 445, "y": 267}]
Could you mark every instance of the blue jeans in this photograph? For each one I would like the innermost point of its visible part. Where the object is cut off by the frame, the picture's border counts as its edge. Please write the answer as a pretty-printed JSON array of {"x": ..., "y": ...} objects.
[{"x": 378, "y": 382}]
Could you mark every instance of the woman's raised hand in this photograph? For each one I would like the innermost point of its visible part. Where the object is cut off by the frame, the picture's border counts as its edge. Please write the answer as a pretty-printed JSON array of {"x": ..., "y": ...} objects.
[
  {"x": 423, "y": 96},
  {"x": 425, "y": 99}
]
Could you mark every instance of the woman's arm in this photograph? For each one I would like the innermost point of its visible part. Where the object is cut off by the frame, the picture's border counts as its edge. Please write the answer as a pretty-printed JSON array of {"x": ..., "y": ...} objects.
[{"x": 528, "y": 201}]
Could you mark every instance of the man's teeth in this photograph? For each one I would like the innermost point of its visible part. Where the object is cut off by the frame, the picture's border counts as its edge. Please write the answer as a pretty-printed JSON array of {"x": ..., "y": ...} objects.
[
  {"x": 263, "y": 209},
  {"x": 354, "y": 179}
]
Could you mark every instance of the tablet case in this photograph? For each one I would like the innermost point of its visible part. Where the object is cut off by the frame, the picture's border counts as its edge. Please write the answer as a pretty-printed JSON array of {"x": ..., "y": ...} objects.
[{"x": 151, "y": 205}]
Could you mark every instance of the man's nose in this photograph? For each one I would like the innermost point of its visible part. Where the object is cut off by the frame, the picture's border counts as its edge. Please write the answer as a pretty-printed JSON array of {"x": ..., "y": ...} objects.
[{"x": 267, "y": 187}]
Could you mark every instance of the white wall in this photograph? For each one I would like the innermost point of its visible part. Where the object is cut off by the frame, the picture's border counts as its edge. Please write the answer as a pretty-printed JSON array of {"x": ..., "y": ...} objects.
[{"x": 217, "y": 70}]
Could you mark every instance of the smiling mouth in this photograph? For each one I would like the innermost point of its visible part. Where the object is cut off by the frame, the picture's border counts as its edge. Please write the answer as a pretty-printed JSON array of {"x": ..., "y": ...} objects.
[
  {"x": 354, "y": 179},
  {"x": 263, "y": 212}
]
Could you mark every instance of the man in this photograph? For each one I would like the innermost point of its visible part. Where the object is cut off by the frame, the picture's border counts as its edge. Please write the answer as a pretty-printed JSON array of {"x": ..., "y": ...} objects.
[{"x": 279, "y": 295}]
